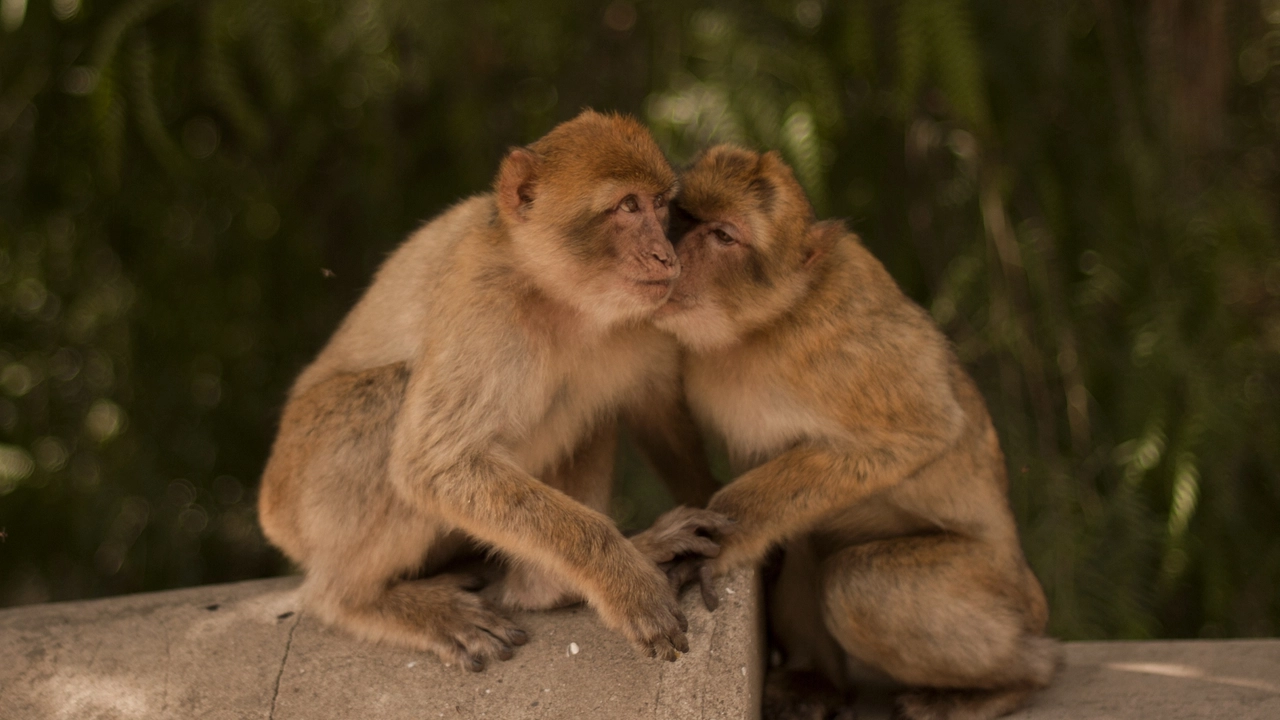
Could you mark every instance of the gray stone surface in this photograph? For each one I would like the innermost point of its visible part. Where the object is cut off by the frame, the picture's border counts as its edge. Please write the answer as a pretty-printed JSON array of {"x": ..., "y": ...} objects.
[
  {"x": 1160, "y": 680},
  {"x": 244, "y": 651},
  {"x": 1167, "y": 680}
]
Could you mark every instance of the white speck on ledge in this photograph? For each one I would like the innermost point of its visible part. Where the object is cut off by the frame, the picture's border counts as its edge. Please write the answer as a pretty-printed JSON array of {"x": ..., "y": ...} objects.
[
  {"x": 573, "y": 648},
  {"x": 730, "y": 591},
  {"x": 415, "y": 662}
]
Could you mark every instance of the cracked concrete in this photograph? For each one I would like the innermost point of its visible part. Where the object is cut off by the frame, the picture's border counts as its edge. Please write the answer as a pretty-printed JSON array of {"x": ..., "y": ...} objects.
[
  {"x": 246, "y": 651},
  {"x": 143, "y": 656},
  {"x": 284, "y": 660}
]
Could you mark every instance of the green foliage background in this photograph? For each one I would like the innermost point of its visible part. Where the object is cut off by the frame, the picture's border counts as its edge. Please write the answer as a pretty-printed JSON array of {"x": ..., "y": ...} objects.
[{"x": 1084, "y": 194}]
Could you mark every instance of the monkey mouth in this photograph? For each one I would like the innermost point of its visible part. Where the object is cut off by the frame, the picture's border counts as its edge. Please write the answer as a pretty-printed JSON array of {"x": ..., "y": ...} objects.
[
  {"x": 656, "y": 283},
  {"x": 656, "y": 290}
]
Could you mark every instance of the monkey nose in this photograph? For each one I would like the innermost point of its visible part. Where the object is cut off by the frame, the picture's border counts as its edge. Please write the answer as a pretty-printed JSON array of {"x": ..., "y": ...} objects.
[
  {"x": 656, "y": 263},
  {"x": 667, "y": 260}
]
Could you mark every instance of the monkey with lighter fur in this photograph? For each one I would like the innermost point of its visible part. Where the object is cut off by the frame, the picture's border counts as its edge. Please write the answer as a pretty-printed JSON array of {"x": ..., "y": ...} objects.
[
  {"x": 869, "y": 458},
  {"x": 469, "y": 402}
]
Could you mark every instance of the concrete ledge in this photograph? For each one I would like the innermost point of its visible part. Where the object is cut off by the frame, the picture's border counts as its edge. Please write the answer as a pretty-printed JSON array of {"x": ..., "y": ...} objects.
[
  {"x": 244, "y": 651},
  {"x": 1166, "y": 680}
]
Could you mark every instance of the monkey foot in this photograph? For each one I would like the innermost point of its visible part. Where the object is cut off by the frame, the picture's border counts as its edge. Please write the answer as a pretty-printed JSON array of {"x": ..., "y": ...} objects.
[{"x": 804, "y": 695}]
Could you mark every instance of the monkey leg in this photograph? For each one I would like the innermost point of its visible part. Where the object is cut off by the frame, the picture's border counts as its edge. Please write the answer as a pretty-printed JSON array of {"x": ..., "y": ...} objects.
[
  {"x": 810, "y": 682},
  {"x": 442, "y": 614},
  {"x": 952, "y": 618},
  {"x": 803, "y": 695},
  {"x": 327, "y": 503},
  {"x": 366, "y": 577}
]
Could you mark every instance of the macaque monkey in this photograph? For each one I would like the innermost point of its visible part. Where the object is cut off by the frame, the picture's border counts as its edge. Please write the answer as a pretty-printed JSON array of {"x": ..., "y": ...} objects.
[
  {"x": 874, "y": 463},
  {"x": 468, "y": 403}
]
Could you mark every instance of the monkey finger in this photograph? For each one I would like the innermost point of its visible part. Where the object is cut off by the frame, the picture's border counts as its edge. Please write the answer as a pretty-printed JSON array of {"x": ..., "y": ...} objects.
[
  {"x": 475, "y": 645},
  {"x": 680, "y": 574},
  {"x": 650, "y": 548},
  {"x": 703, "y": 546},
  {"x": 504, "y": 651},
  {"x": 502, "y": 634},
  {"x": 680, "y": 642},
  {"x": 706, "y": 583},
  {"x": 709, "y": 521},
  {"x": 664, "y": 649},
  {"x": 460, "y": 654},
  {"x": 662, "y": 556}
]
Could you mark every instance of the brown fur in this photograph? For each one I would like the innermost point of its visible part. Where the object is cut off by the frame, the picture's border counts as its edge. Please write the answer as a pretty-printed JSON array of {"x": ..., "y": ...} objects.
[
  {"x": 469, "y": 402},
  {"x": 873, "y": 459}
]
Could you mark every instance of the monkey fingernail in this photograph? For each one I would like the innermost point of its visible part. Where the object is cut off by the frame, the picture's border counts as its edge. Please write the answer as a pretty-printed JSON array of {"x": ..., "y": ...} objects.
[
  {"x": 475, "y": 664},
  {"x": 505, "y": 652},
  {"x": 518, "y": 637}
]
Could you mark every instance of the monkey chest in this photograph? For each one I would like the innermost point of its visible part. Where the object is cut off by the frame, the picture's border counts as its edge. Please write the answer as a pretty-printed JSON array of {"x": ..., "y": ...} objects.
[
  {"x": 757, "y": 416},
  {"x": 576, "y": 406}
]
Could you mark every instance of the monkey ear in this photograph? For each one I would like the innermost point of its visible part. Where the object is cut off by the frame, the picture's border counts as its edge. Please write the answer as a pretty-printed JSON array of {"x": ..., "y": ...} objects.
[
  {"x": 822, "y": 237},
  {"x": 516, "y": 182}
]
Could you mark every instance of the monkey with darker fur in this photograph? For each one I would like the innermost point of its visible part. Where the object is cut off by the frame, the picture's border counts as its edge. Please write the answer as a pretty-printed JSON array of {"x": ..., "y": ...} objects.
[
  {"x": 873, "y": 461},
  {"x": 470, "y": 401}
]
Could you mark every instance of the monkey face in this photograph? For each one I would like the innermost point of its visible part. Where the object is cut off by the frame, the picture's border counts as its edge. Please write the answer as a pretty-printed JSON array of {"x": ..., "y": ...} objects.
[
  {"x": 587, "y": 210},
  {"x": 740, "y": 225}
]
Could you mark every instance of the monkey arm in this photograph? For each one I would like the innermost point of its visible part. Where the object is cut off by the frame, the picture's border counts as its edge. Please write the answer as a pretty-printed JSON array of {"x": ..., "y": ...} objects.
[
  {"x": 791, "y": 492},
  {"x": 449, "y": 459},
  {"x": 495, "y": 501}
]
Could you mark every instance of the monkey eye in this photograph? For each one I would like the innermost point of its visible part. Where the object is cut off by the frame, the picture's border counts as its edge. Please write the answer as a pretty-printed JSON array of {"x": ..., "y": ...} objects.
[
  {"x": 660, "y": 201},
  {"x": 630, "y": 204},
  {"x": 724, "y": 237}
]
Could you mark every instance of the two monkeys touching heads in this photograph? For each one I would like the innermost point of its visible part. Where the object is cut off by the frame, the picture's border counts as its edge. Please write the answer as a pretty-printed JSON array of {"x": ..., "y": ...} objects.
[{"x": 467, "y": 408}]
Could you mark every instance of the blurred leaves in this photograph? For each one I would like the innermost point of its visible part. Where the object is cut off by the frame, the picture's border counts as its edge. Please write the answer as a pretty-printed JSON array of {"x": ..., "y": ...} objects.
[{"x": 1082, "y": 193}]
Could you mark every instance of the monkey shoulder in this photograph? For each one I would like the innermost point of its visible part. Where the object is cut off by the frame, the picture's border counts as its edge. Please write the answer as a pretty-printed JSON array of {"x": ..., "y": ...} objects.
[
  {"x": 386, "y": 324},
  {"x": 875, "y": 342}
]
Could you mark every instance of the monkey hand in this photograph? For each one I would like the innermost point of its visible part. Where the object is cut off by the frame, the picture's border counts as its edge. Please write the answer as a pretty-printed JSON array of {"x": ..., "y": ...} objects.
[
  {"x": 683, "y": 531},
  {"x": 681, "y": 541},
  {"x": 638, "y": 602}
]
